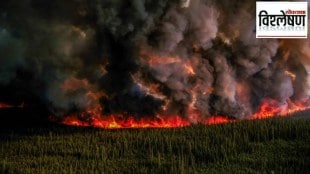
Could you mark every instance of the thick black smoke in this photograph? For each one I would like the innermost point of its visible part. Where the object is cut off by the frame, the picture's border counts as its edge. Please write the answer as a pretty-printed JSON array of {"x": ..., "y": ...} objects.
[{"x": 145, "y": 57}]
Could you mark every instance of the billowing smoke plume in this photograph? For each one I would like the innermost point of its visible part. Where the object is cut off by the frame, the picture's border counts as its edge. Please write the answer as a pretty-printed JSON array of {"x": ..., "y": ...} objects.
[{"x": 145, "y": 57}]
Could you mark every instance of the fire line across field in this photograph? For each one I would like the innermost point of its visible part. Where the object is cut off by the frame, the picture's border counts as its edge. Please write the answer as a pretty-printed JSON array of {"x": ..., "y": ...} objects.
[{"x": 164, "y": 61}]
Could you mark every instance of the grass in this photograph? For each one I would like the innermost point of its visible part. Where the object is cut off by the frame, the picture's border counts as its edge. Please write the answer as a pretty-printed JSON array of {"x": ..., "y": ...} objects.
[{"x": 279, "y": 145}]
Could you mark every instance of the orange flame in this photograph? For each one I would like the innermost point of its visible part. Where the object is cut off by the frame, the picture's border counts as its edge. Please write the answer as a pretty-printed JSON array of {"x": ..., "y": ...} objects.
[
  {"x": 269, "y": 108},
  {"x": 112, "y": 122}
]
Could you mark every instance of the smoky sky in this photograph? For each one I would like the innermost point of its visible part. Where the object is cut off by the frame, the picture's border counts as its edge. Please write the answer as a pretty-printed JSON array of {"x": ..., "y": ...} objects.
[{"x": 146, "y": 57}]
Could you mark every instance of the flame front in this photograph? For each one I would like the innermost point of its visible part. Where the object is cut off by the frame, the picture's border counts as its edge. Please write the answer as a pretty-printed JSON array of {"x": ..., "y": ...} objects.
[
  {"x": 271, "y": 108},
  {"x": 140, "y": 64},
  {"x": 113, "y": 122},
  {"x": 268, "y": 109}
]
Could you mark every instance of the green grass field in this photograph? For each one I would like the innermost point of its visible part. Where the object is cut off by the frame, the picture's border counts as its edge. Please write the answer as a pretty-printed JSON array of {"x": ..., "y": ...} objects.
[{"x": 280, "y": 145}]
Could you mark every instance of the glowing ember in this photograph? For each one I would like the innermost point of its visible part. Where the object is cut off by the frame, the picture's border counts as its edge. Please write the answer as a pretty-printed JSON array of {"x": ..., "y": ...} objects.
[{"x": 269, "y": 108}]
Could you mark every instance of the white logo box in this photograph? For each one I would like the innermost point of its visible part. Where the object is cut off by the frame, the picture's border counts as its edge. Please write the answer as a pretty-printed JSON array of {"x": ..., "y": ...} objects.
[{"x": 292, "y": 13}]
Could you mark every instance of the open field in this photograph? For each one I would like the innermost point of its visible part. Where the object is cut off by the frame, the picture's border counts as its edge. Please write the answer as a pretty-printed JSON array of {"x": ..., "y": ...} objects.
[{"x": 279, "y": 145}]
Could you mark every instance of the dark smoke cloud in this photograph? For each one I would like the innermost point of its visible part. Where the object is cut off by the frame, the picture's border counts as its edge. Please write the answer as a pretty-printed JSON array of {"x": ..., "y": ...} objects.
[{"x": 146, "y": 57}]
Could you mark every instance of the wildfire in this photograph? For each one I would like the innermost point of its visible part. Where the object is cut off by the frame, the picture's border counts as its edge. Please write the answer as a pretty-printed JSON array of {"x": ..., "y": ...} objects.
[
  {"x": 269, "y": 108},
  {"x": 114, "y": 122},
  {"x": 149, "y": 64}
]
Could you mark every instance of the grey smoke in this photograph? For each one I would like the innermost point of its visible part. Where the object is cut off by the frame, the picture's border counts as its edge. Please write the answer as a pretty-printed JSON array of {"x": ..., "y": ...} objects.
[{"x": 77, "y": 55}]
